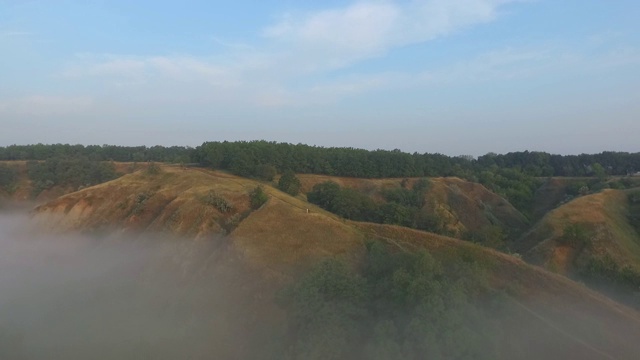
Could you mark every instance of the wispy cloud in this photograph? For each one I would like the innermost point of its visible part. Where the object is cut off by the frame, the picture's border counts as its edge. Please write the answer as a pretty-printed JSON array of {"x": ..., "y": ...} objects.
[
  {"x": 45, "y": 105},
  {"x": 340, "y": 37},
  {"x": 295, "y": 63},
  {"x": 297, "y": 48}
]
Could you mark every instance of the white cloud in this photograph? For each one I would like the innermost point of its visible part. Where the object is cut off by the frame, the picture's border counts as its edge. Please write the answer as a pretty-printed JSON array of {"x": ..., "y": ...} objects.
[
  {"x": 340, "y": 37},
  {"x": 298, "y": 51}
]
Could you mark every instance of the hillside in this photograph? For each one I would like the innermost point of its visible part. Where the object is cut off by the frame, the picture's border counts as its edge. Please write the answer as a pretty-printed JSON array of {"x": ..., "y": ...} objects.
[
  {"x": 604, "y": 217},
  {"x": 556, "y": 191},
  {"x": 462, "y": 209},
  {"x": 287, "y": 235},
  {"x": 23, "y": 189},
  {"x": 590, "y": 238}
]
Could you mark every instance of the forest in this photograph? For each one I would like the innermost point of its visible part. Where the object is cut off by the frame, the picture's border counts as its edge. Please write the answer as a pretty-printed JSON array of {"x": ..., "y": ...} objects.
[
  {"x": 515, "y": 175},
  {"x": 399, "y": 306},
  {"x": 245, "y": 157}
]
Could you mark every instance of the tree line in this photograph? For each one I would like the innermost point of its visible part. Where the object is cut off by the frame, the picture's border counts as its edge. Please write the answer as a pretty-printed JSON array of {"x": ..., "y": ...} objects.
[
  {"x": 243, "y": 157},
  {"x": 248, "y": 158},
  {"x": 173, "y": 154}
]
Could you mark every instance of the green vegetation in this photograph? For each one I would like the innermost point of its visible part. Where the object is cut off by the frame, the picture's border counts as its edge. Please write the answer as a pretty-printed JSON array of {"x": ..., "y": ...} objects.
[
  {"x": 401, "y": 306},
  {"x": 634, "y": 210},
  {"x": 174, "y": 154},
  {"x": 490, "y": 236},
  {"x": 8, "y": 175},
  {"x": 515, "y": 185},
  {"x": 403, "y": 206},
  {"x": 513, "y": 175},
  {"x": 576, "y": 235},
  {"x": 153, "y": 169},
  {"x": 266, "y": 172},
  {"x": 289, "y": 183},
  {"x": 73, "y": 172},
  {"x": 217, "y": 201},
  {"x": 258, "y": 197},
  {"x": 604, "y": 273}
]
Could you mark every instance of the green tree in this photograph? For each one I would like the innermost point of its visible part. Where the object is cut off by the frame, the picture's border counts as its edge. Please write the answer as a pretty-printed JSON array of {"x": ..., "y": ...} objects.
[
  {"x": 289, "y": 183},
  {"x": 598, "y": 171},
  {"x": 8, "y": 175},
  {"x": 324, "y": 194},
  {"x": 258, "y": 197},
  {"x": 266, "y": 172}
]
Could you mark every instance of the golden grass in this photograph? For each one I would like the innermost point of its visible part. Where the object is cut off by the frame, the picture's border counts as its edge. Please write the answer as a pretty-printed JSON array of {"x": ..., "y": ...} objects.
[
  {"x": 281, "y": 238},
  {"x": 463, "y": 205},
  {"x": 605, "y": 214}
]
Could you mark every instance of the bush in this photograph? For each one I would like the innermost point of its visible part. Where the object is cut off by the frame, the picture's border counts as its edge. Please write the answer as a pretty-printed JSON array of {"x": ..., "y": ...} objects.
[
  {"x": 289, "y": 183},
  {"x": 212, "y": 198},
  {"x": 153, "y": 169},
  {"x": 258, "y": 197},
  {"x": 575, "y": 235}
]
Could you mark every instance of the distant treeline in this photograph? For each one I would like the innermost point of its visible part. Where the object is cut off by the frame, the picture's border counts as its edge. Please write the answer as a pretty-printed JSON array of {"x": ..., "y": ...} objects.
[
  {"x": 174, "y": 154},
  {"x": 244, "y": 158}
]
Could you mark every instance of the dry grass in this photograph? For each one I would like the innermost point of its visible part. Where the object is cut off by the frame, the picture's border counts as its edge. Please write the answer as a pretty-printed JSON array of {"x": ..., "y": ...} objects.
[
  {"x": 281, "y": 238},
  {"x": 604, "y": 214},
  {"x": 464, "y": 206}
]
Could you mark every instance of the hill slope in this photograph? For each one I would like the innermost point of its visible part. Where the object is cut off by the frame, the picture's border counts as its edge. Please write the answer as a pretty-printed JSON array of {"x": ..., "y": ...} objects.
[
  {"x": 287, "y": 235},
  {"x": 462, "y": 208},
  {"x": 603, "y": 230}
]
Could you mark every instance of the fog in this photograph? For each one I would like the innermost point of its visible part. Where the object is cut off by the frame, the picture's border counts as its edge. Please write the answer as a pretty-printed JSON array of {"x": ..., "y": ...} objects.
[
  {"x": 124, "y": 297},
  {"x": 156, "y": 297}
]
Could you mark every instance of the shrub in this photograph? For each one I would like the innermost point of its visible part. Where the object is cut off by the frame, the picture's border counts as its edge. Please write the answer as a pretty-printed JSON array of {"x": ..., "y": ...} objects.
[
  {"x": 212, "y": 198},
  {"x": 153, "y": 169},
  {"x": 289, "y": 183},
  {"x": 575, "y": 235},
  {"x": 258, "y": 197}
]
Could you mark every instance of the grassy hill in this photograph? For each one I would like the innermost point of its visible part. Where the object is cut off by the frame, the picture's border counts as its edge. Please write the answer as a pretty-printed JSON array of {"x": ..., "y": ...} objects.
[
  {"x": 463, "y": 209},
  {"x": 286, "y": 236},
  {"x": 22, "y": 188},
  {"x": 591, "y": 238}
]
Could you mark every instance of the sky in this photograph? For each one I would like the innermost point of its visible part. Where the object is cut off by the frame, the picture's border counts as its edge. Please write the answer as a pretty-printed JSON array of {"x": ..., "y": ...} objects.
[{"x": 448, "y": 76}]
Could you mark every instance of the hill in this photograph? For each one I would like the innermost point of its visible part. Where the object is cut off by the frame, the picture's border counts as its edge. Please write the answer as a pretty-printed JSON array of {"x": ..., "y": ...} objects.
[
  {"x": 286, "y": 236},
  {"x": 19, "y": 187},
  {"x": 556, "y": 191},
  {"x": 455, "y": 207},
  {"x": 591, "y": 238}
]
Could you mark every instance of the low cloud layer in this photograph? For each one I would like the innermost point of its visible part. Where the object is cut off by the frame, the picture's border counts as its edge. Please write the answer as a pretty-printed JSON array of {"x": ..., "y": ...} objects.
[{"x": 76, "y": 297}]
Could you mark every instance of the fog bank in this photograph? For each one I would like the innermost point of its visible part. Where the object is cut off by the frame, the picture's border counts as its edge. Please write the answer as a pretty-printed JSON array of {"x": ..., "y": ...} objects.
[{"x": 79, "y": 297}]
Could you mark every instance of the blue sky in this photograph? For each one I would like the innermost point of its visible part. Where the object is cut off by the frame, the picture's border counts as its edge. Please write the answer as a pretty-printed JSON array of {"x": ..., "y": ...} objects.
[{"x": 455, "y": 77}]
